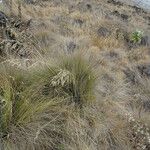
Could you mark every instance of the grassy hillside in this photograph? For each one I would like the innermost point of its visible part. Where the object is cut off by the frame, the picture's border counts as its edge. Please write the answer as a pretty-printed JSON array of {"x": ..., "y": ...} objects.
[{"x": 74, "y": 75}]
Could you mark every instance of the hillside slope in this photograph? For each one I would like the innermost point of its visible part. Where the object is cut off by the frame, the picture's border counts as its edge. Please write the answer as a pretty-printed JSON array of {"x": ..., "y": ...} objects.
[{"x": 74, "y": 75}]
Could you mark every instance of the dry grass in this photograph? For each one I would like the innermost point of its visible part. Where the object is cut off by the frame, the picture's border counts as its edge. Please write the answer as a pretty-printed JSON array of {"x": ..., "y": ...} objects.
[{"x": 80, "y": 89}]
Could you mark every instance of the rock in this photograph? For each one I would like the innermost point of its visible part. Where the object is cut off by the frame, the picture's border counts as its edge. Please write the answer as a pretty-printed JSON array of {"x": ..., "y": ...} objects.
[
  {"x": 114, "y": 2},
  {"x": 71, "y": 47},
  {"x": 138, "y": 9},
  {"x": 144, "y": 69},
  {"x": 130, "y": 75},
  {"x": 113, "y": 54},
  {"x": 79, "y": 22},
  {"x": 147, "y": 18},
  {"x": 146, "y": 105},
  {"x": 30, "y": 1},
  {"x": 84, "y": 6},
  {"x": 145, "y": 41},
  {"x": 124, "y": 17},
  {"x": 116, "y": 13},
  {"x": 89, "y": 7},
  {"x": 103, "y": 32},
  {"x": 3, "y": 19}
]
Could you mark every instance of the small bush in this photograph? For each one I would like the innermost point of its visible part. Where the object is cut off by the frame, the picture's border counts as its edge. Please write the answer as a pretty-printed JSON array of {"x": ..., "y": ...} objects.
[{"x": 136, "y": 36}]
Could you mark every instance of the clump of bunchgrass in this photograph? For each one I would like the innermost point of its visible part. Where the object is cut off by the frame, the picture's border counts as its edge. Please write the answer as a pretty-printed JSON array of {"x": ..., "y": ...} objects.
[
  {"x": 24, "y": 117},
  {"x": 81, "y": 87},
  {"x": 72, "y": 77}
]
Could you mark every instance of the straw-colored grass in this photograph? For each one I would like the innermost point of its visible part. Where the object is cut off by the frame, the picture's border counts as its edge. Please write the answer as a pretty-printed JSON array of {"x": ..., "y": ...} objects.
[{"x": 75, "y": 84}]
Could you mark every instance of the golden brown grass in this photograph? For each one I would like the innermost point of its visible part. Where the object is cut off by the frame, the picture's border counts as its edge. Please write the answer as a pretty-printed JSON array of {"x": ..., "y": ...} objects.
[{"x": 51, "y": 88}]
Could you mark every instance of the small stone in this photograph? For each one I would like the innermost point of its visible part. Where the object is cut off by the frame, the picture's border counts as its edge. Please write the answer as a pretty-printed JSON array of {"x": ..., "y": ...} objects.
[
  {"x": 114, "y": 2},
  {"x": 30, "y": 1},
  {"x": 130, "y": 75},
  {"x": 145, "y": 41},
  {"x": 3, "y": 19},
  {"x": 79, "y": 22},
  {"x": 71, "y": 47},
  {"x": 84, "y": 6},
  {"x": 124, "y": 17},
  {"x": 144, "y": 69},
  {"x": 146, "y": 105},
  {"x": 103, "y": 32},
  {"x": 114, "y": 54},
  {"x": 89, "y": 6}
]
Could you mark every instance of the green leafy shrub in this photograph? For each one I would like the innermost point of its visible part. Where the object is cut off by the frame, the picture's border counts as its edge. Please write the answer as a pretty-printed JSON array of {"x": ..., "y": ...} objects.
[{"x": 136, "y": 36}]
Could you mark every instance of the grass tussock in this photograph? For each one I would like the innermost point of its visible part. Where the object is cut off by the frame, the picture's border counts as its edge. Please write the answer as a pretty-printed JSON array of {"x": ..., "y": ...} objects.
[
  {"x": 71, "y": 77},
  {"x": 21, "y": 114},
  {"x": 27, "y": 103}
]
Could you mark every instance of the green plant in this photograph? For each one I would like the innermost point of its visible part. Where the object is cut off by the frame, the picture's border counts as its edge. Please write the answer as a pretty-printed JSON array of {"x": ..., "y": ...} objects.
[
  {"x": 73, "y": 77},
  {"x": 81, "y": 87},
  {"x": 21, "y": 112},
  {"x": 136, "y": 36}
]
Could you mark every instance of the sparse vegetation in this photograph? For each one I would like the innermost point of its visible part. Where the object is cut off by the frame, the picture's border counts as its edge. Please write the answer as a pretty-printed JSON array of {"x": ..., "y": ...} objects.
[{"x": 73, "y": 76}]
